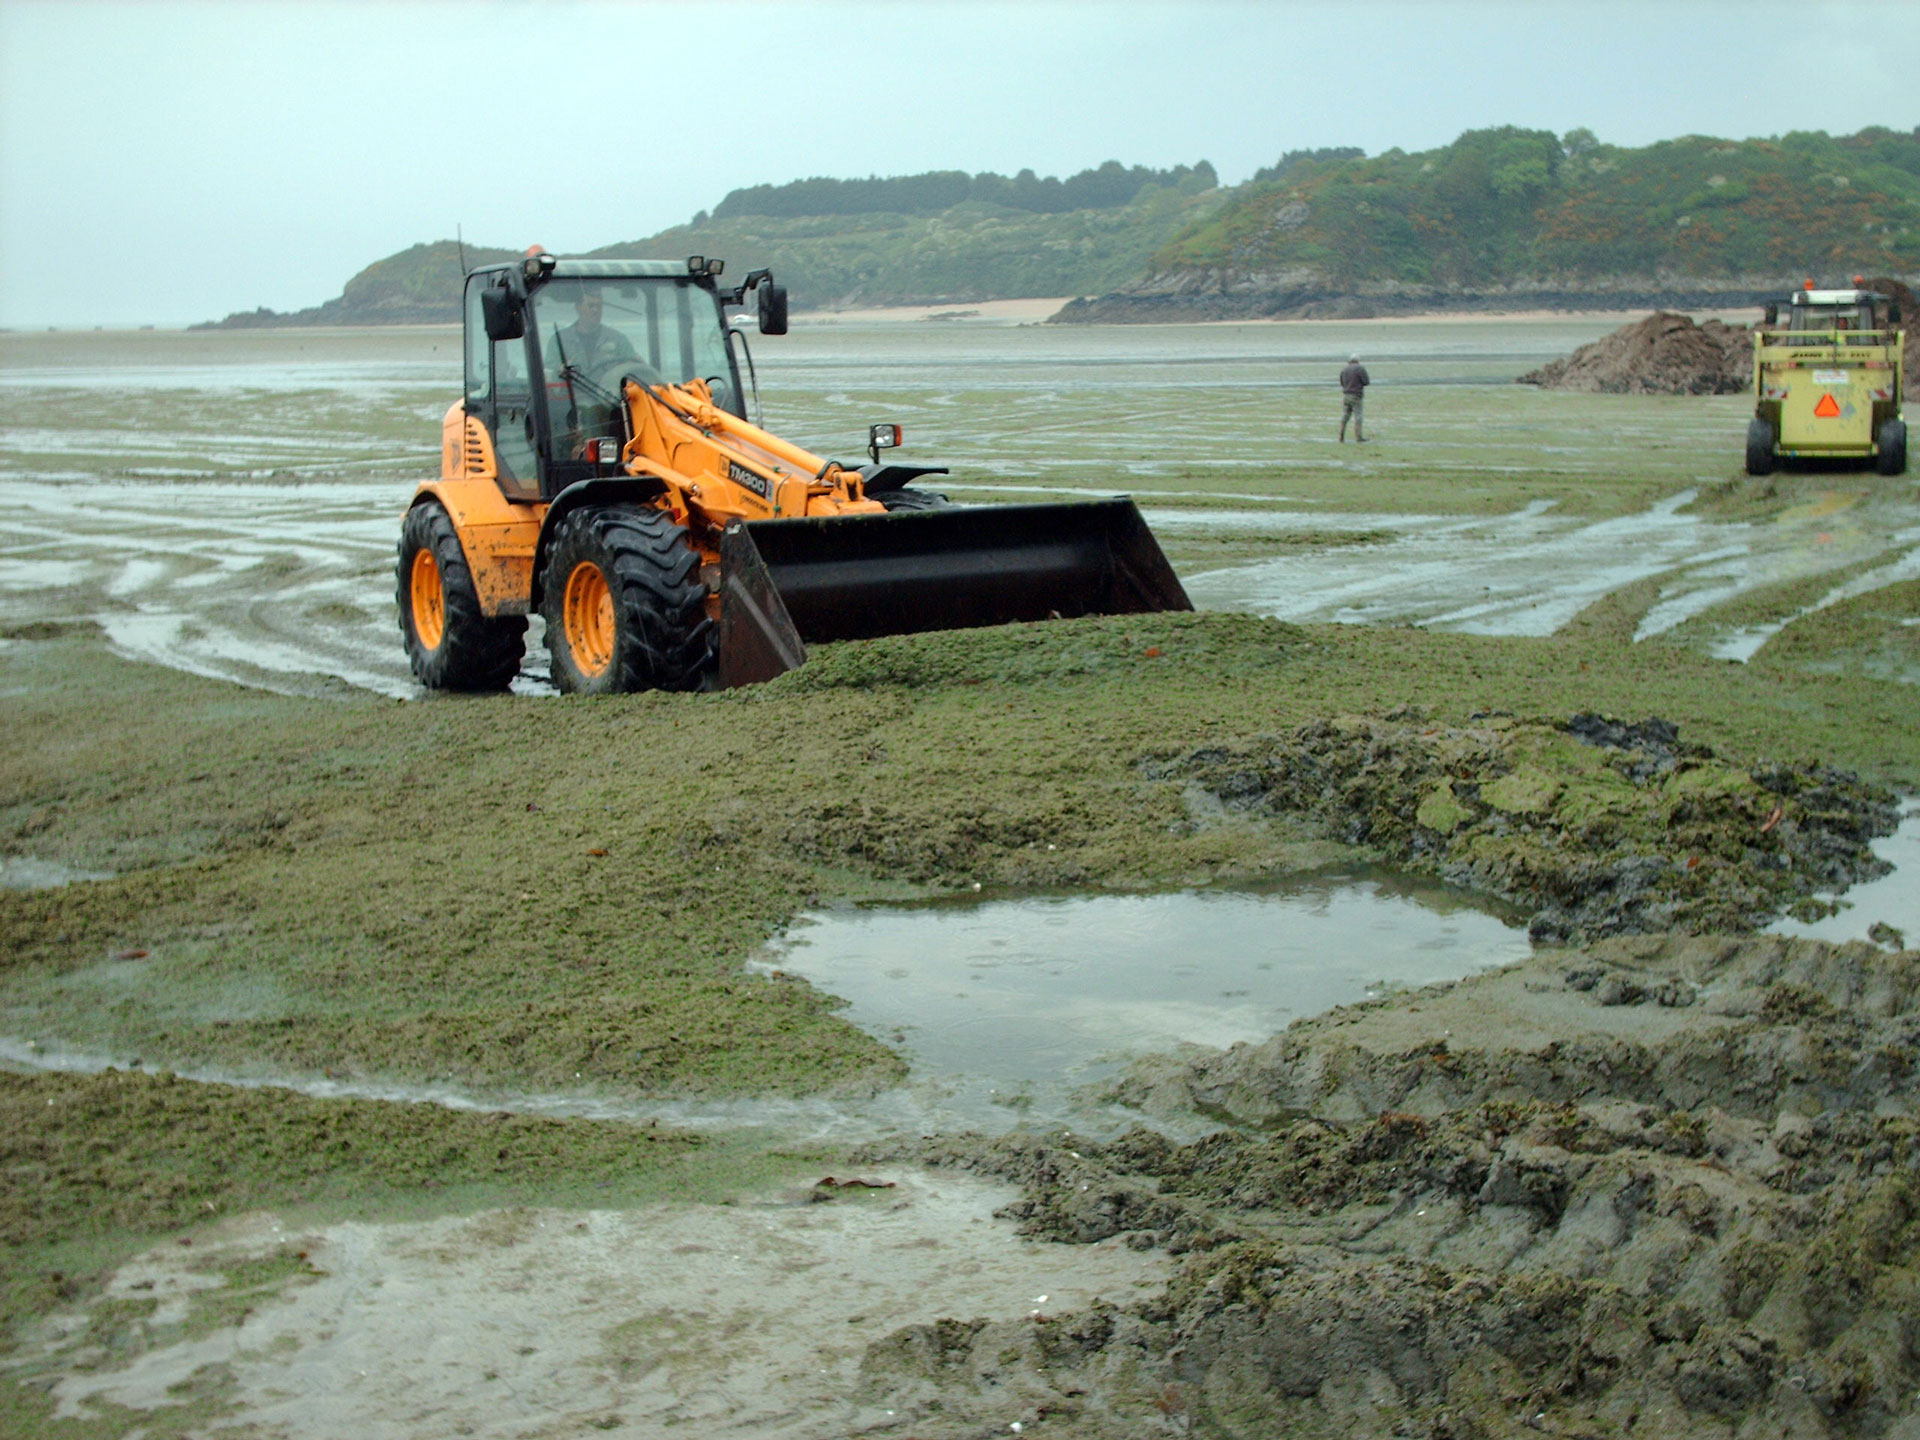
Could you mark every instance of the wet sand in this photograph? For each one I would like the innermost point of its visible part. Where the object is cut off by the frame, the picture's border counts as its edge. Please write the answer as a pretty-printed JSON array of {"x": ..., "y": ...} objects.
[{"x": 749, "y": 1318}]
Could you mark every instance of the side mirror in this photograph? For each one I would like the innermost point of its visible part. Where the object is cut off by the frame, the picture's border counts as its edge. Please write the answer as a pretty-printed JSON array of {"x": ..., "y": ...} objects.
[
  {"x": 773, "y": 309},
  {"x": 503, "y": 319}
]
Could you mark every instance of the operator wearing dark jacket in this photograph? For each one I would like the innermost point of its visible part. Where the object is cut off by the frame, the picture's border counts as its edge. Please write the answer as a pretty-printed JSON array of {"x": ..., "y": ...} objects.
[
  {"x": 1353, "y": 394},
  {"x": 587, "y": 342}
]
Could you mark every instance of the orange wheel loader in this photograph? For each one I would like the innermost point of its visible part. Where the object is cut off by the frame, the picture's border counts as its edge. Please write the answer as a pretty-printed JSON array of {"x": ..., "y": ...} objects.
[{"x": 601, "y": 472}]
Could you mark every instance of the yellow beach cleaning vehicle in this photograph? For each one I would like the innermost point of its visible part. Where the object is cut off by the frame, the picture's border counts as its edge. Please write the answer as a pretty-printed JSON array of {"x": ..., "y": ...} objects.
[{"x": 1827, "y": 382}]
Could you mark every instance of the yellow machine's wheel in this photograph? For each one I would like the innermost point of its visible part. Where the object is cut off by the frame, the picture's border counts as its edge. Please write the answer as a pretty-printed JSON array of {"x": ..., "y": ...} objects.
[
  {"x": 624, "y": 604},
  {"x": 451, "y": 643},
  {"x": 588, "y": 618},
  {"x": 429, "y": 600}
]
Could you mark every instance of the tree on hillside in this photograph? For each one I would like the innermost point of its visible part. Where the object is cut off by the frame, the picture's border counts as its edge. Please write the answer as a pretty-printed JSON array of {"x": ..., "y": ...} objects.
[{"x": 1108, "y": 187}]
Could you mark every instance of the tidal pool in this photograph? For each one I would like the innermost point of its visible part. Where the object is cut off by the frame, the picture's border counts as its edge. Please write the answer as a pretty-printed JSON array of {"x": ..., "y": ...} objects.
[
  {"x": 1007, "y": 1008},
  {"x": 1892, "y": 900}
]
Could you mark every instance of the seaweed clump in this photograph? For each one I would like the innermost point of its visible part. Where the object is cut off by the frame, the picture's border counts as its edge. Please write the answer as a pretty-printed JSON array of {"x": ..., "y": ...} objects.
[{"x": 1595, "y": 826}]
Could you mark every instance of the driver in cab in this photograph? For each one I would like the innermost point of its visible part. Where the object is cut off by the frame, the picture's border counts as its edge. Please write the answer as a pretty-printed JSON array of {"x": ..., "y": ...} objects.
[{"x": 587, "y": 342}]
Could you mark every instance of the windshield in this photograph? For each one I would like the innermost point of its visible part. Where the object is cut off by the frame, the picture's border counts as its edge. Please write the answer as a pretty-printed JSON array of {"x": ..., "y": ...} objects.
[
  {"x": 672, "y": 327},
  {"x": 593, "y": 333},
  {"x": 1832, "y": 317}
]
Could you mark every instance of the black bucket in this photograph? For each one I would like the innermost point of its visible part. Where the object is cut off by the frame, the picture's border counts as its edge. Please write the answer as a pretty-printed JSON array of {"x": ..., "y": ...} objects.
[{"x": 786, "y": 583}]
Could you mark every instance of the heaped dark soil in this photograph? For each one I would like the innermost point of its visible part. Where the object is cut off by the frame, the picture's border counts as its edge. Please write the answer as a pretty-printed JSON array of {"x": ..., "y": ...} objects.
[
  {"x": 1909, "y": 305},
  {"x": 1664, "y": 354},
  {"x": 1661, "y": 1187}
]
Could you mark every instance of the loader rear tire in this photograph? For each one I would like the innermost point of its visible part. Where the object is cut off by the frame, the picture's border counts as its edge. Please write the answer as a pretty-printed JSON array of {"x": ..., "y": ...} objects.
[
  {"x": 907, "y": 498},
  {"x": 624, "y": 604},
  {"x": 451, "y": 643},
  {"x": 1759, "y": 447},
  {"x": 1892, "y": 459}
]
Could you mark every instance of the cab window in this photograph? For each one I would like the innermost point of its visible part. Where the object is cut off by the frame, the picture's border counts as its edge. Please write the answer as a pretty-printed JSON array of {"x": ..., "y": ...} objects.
[
  {"x": 1832, "y": 317},
  {"x": 479, "y": 358}
]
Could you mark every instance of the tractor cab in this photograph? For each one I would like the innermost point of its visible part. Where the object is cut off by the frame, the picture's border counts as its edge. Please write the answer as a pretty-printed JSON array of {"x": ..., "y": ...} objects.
[
  {"x": 1836, "y": 312},
  {"x": 551, "y": 342}
]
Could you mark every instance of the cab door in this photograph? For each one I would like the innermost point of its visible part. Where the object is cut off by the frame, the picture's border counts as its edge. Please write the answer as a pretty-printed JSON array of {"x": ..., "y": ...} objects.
[{"x": 499, "y": 393}]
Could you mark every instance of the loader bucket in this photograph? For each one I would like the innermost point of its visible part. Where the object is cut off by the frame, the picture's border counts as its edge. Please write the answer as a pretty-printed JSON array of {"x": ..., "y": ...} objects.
[{"x": 789, "y": 583}]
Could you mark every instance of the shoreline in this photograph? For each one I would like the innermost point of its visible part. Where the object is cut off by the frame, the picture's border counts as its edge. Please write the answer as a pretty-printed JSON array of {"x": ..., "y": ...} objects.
[{"x": 985, "y": 312}]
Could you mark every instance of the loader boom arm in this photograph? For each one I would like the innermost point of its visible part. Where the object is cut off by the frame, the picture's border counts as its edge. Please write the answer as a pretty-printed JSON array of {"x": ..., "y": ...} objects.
[{"x": 724, "y": 468}]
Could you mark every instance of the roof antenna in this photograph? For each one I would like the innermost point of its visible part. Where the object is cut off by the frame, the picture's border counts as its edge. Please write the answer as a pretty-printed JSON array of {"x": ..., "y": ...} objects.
[{"x": 459, "y": 240}]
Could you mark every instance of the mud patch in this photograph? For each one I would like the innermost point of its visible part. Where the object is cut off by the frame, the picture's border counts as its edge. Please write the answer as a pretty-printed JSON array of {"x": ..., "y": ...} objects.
[
  {"x": 1875, "y": 634},
  {"x": 749, "y": 1318},
  {"x": 1663, "y": 1185},
  {"x": 1593, "y": 826}
]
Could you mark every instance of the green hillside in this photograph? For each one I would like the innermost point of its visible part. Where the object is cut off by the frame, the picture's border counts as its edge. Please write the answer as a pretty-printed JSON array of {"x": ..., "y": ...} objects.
[
  {"x": 970, "y": 252},
  {"x": 1510, "y": 209},
  {"x": 1497, "y": 216},
  {"x": 1022, "y": 236}
]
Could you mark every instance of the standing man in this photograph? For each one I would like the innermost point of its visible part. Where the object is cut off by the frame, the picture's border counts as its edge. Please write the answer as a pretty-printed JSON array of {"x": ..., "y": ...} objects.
[{"x": 1353, "y": 395}]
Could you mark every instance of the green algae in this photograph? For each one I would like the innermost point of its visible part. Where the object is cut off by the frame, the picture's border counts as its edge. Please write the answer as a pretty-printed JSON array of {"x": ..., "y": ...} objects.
[
  {"x": 1522, "y": 792},
  {"x": 1876, "y": 635},
  {"x": 412, "y": 891},
  {"x": 1440, "y": 810},
  {"x": 126, "y": 1151},
  {"x": 207, "y": 1397}
]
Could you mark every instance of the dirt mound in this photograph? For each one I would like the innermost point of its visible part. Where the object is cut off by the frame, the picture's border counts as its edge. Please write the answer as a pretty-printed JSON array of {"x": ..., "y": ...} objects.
[
  {"x": 1593, "y": 826},
  {"x": 1909, "y": 305},
  {"x": 1664, "y": 354},
  {"x": 1665, "y": 1186}
]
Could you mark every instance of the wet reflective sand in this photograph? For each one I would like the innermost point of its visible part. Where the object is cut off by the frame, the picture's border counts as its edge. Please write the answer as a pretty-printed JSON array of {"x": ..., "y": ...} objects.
[{"x": 227, "y": 503}]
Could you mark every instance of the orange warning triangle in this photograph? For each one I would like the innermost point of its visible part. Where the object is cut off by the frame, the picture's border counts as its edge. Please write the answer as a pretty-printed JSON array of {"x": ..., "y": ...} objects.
[{"x": 1828, "y": 407}]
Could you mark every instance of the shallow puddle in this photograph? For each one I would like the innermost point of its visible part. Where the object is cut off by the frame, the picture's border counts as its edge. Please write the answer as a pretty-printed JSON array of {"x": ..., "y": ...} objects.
[
  {"x": 1007, "y": 1007},
  {"x": 25, "y": 872},
  {"x": 1892, "y": 900}
]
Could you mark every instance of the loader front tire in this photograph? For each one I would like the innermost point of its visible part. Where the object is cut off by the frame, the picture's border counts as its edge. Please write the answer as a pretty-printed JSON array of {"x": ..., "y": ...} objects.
[
  {"x": 907, "y": 498},
  {"x": 1759, "y": 447},
  {"x": 1892, "y": 459},
  {"x": 451, "y": 643},
  {"x": 624, "y": 604}
]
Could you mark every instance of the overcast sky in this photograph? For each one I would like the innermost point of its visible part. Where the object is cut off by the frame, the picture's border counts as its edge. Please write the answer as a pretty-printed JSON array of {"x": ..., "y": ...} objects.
[{"x": 165, "y": 162}]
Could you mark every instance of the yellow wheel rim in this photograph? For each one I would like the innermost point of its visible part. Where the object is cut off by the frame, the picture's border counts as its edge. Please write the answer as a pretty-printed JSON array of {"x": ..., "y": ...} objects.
[
  {"x": 589, "y": 618},
  {"x": 429, "y": 599}
]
